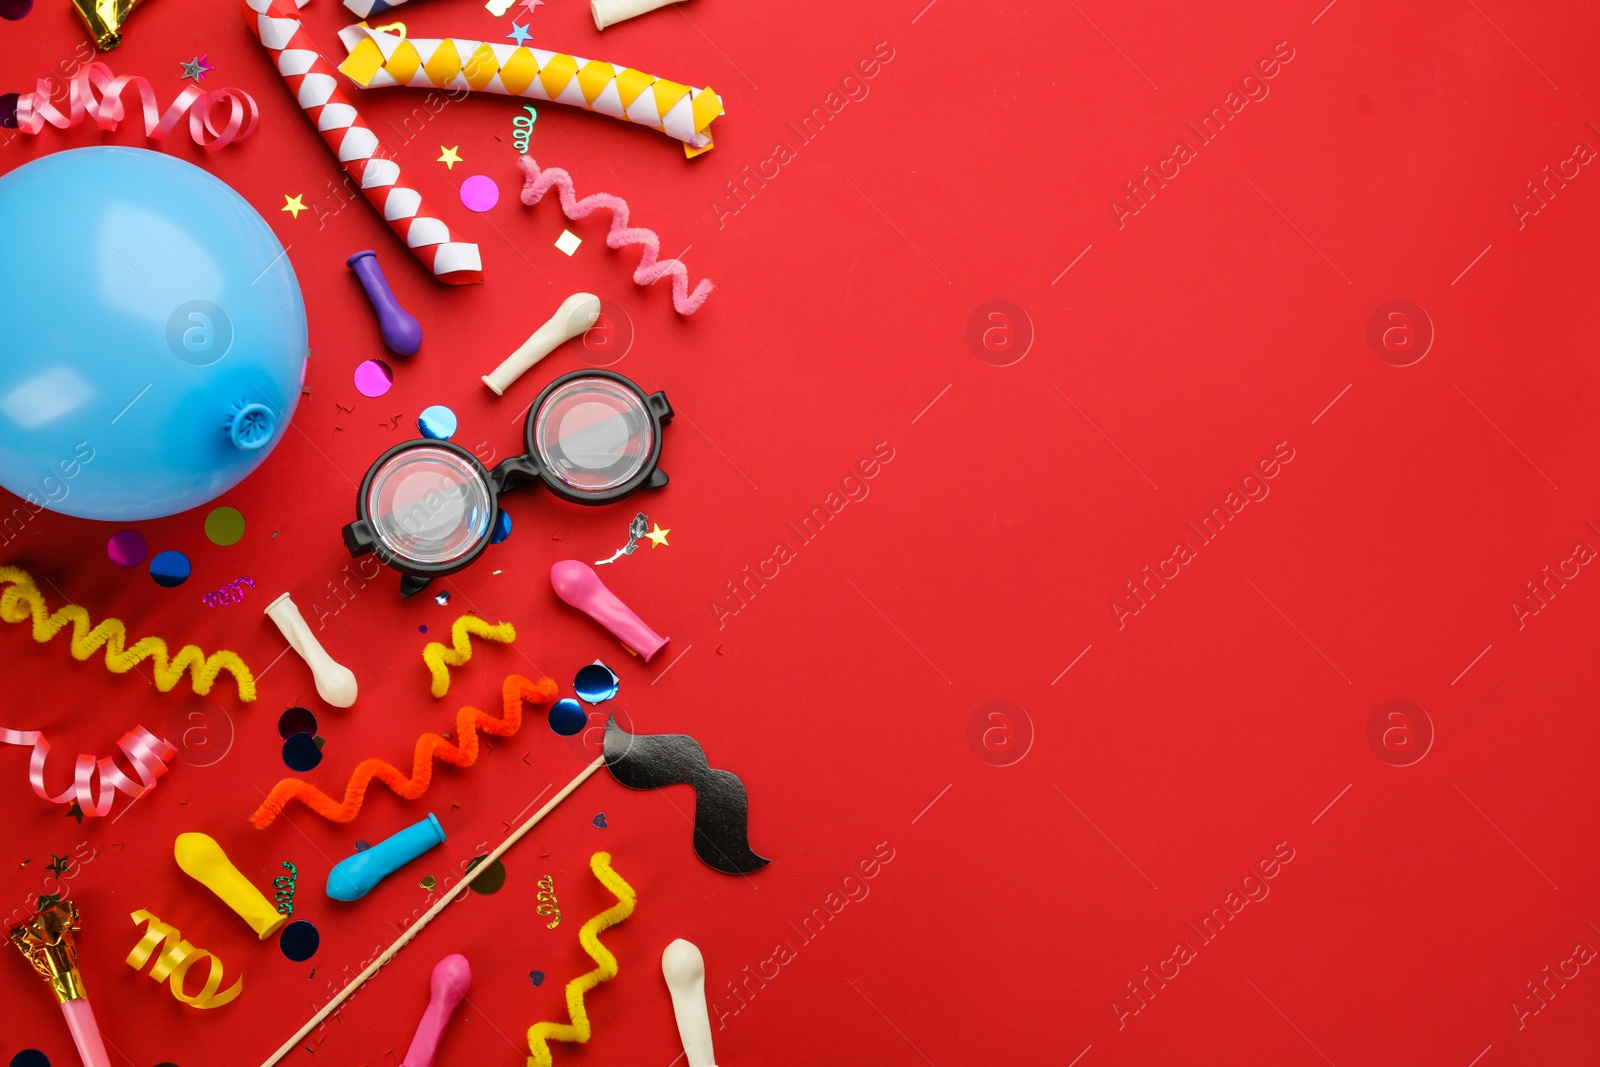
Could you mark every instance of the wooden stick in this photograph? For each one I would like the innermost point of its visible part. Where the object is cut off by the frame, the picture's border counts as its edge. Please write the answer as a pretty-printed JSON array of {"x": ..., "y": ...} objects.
[{"x": 412, "y": 931}]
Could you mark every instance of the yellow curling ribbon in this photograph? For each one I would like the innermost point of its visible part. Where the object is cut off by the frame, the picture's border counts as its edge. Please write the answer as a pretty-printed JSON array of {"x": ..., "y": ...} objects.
[
  {"x": 22, "y": 601},
  {"x": 440, "y": 659},
  {"x": 172, "y": 966},
  {"x": 606, "y": 965}
]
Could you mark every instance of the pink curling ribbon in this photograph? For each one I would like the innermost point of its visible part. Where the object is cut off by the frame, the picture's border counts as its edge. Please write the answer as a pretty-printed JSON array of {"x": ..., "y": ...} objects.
[
  {"x": 146, "y": 753},
  {"x": 35, "y": 109}
]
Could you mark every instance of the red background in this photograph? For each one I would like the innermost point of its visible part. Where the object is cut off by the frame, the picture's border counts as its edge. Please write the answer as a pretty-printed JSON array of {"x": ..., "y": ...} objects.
[{"x": 1225, "y": 720}]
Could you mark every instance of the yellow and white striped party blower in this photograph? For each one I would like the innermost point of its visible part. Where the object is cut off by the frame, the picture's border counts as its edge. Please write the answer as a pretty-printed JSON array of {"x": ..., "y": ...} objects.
[{"x": 378, "y": 58}]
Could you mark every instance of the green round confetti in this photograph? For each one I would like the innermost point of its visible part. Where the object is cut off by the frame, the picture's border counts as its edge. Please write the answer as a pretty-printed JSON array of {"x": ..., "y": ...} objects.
[
  {"x": 224, "y": 526},
  {"x": 490, "y": 881}
]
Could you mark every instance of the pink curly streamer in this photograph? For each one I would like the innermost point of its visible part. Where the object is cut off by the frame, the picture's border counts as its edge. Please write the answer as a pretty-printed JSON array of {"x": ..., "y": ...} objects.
[
  {"x": 35, "y": 109},
  {"x": 147, "y": 754},
  {"x": 650, "y": 267}
]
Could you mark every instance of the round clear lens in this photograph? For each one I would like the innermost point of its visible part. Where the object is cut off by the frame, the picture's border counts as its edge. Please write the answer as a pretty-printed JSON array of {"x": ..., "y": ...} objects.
[
  {"x": 594, "y": 434},
  {"x": 429, "y": 505}
]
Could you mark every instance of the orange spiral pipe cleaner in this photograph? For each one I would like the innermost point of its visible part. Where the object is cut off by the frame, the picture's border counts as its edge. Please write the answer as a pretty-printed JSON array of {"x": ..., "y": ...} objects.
[{"x": 515, "y": 692}]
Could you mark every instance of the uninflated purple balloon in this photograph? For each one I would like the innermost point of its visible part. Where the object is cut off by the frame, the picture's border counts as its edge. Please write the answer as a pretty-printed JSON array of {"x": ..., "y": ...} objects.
[{"x": 402, "y": 333}]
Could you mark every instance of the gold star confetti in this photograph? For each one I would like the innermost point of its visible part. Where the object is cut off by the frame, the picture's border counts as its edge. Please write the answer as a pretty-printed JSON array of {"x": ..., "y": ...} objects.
[
  {"x": 75, "y": 812},
  {"x": 59, "y": 864},
  {"x": 657, "y": 535},
  {"x": 293, "y": 204},
  {"x": 451, "y": 157}
]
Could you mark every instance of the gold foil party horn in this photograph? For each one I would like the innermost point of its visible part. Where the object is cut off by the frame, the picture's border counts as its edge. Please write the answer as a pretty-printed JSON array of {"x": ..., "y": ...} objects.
[
  {"x": 45, "y": 941},
  {"x": 104, "y": 19}
]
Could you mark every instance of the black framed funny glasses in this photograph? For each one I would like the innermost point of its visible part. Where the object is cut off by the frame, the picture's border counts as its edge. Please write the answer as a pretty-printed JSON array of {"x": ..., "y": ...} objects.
[{"x": 428, "y": 508}]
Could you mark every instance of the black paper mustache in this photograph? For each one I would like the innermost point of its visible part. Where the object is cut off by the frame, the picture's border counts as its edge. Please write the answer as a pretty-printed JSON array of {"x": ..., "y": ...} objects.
[{"x": 721, "y": 812}]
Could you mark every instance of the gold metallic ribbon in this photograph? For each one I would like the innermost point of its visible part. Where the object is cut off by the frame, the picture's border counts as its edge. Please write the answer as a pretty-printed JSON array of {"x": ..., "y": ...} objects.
[
  {"x": 175, "y": 960},
  {"x": 547, "y": 901}
]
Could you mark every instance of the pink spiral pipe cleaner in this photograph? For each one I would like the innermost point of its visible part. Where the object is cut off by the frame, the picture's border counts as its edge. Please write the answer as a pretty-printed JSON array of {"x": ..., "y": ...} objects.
[{"x": 651, "y": 266}]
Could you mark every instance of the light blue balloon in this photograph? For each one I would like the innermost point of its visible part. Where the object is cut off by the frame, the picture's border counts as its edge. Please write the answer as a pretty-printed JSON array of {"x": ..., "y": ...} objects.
[{"x": 156, "y": 341}]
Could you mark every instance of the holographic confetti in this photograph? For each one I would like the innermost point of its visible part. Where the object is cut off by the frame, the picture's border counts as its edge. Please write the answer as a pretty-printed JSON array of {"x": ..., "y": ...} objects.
[
  {"x": 568, "y": 242},
  {"x": 437, "y": 423},
  {"x": 637, "y": 529},
  {"x": 373, "y": 377},
  {"x": 296, "y": 720},
  {"x": 428, "y": 883},
  {"x": 442, "y": 598},
  {"x": 301, "y": 752},
  {"x": 600, "y": 820},
  {"x": 537, "y": 978},
  {"x": 548, "y": 905},
  {"x": 127, "y": 548},
  {"x": 490, "y": 881},
  {"x": 224, "y": 526},
  {"x": 299, "y": 941},
  {"x": 596, "y": 683},
  {"x": 502, "y": 528},
  {"x": 170, "y": 569},
  {"x": 567, "y": 717},
  {"x": 196, "y": 69}
]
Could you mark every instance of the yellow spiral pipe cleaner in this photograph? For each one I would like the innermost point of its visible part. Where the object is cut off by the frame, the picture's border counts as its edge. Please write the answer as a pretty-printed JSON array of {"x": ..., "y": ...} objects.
[
  {"x": 606, "y": 965},
  {"x": 440, "y": 659},
  {"x": 22, "y": 600}
]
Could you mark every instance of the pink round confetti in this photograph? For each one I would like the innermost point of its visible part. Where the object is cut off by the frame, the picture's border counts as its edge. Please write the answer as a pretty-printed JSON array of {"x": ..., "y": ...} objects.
[
  {"x": 373, "y": 378},
  {"x": 127, "y": 548},
  {"x": 480, "y": 193}
]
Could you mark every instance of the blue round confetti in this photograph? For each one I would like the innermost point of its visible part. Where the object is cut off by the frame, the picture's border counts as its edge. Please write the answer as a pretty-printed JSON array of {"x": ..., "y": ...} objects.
[
  {"x": 595, "y": 683},
  {"x": 437, "y": 422},
  {"x": 170, "y": 569},
  {"x": 502, "y": 528},
  {"x": 299, "y": 941},
  {"x": 567, "y": 716},
  {"x": 301, "y": 753},
  {"x": 11, "y": 11},
  {"x": 32, "y": 1057}
]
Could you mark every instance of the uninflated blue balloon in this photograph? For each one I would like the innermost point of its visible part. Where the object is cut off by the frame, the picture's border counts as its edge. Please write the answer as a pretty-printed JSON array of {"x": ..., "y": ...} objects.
[{"x": 155, "y": 343}]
